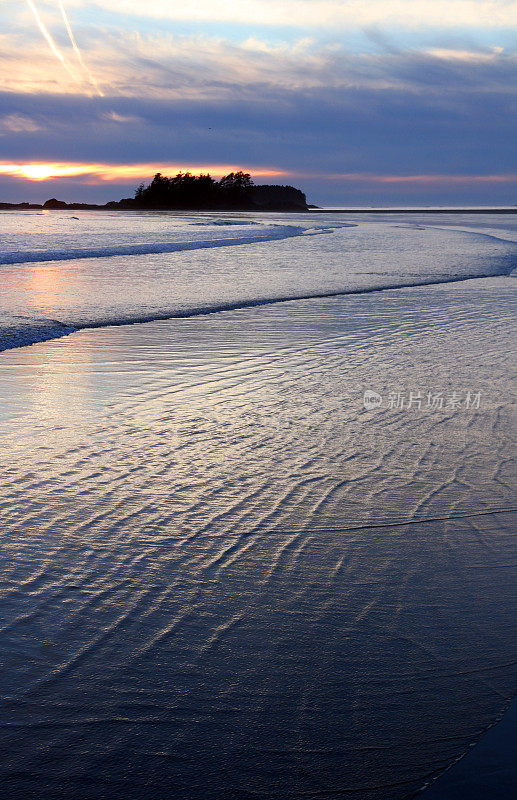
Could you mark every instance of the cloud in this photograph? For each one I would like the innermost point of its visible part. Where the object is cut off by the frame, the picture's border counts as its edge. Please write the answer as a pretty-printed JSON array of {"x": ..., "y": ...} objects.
[
  {"x": 196, "y": 68},
  {"x": 448, "y": 54},
  {"x": 18, "y": 123},
  {"x": 440, "y": 180},
  {"x": 121, "y": 119},
  {"x": 356, "y": 129},
  {"x": 323, "y": 13}
]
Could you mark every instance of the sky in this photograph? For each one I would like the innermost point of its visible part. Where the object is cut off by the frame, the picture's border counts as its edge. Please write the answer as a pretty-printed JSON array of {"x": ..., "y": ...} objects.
[{"x": 357, "y": 102}]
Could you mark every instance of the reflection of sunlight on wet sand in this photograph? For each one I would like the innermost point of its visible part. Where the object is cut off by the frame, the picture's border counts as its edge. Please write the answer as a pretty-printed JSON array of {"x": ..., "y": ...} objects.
[
  {"x": 61, "y": 384},
  {"x": 54, "y": 380}
]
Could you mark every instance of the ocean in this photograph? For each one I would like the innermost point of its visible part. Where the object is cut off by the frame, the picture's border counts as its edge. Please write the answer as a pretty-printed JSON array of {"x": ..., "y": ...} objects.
[{"x": 258, "y": 501}]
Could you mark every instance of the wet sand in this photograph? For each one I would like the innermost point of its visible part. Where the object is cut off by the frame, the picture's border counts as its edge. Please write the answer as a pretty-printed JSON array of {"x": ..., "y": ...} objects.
[{"x": 222, "y": 576}]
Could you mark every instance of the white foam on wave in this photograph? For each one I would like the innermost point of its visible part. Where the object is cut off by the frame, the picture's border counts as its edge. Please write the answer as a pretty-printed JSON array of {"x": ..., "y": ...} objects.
[
  {"x": 20, "y": 331},
  {"x": 269, "y": 233}
]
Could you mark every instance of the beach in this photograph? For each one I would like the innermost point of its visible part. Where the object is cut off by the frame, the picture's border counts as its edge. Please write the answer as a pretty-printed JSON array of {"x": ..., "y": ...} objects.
[{"x": 258, "y": 503}]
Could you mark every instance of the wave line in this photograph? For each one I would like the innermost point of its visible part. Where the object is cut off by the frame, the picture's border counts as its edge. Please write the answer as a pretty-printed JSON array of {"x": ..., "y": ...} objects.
[{"x": 237, "y": 305}]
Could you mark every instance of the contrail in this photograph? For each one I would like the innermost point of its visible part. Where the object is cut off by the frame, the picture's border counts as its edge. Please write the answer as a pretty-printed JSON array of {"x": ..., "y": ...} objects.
[
  {"x": 50, "y": 41},
  {"x": 76, "y": 49}
]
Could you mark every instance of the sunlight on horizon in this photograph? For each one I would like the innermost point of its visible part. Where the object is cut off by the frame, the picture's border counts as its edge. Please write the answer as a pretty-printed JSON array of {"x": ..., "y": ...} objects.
[{"x": 120, "y": 172}]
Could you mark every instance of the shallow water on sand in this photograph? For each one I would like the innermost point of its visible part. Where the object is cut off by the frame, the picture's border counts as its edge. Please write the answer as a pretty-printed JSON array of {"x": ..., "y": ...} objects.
[
  {"x": 223, "y": 577},
  {"x": 59, "y": 273}
]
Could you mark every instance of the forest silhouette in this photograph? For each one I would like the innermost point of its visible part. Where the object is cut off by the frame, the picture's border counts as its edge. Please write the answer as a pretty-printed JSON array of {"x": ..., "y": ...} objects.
[{"x": 233, "y": 191}]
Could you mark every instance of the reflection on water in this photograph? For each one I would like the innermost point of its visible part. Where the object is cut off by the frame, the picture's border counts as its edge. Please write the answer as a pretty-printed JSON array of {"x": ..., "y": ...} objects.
[
  {"x": 57, "y": 385},
  {"x": 222, "y": 577}
]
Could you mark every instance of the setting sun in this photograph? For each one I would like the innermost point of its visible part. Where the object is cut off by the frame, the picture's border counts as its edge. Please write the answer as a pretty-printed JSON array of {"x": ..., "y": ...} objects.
[{"x": 119, "y": 172}]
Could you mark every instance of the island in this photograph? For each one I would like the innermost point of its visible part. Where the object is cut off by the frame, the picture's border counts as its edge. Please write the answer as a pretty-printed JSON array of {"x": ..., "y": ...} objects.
[{"x": 187, "y": 192}]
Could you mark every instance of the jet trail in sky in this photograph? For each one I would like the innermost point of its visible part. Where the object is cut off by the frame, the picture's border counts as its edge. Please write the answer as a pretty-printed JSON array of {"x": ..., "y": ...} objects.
[
  {"x": 50, "y": 41},
  {"x": 76, "y": 49}
]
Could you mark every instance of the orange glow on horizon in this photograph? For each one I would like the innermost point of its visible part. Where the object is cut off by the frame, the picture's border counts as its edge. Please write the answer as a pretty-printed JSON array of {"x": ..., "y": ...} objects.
[{"x": 39, "y": 171}]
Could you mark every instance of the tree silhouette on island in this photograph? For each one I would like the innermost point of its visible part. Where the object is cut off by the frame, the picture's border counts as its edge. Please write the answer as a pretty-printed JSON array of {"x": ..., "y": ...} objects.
[{"x": 234, "y": 191}]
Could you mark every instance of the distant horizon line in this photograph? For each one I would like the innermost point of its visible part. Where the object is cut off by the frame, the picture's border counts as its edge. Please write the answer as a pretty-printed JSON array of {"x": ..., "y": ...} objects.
[{"x": 6, "y": 205}]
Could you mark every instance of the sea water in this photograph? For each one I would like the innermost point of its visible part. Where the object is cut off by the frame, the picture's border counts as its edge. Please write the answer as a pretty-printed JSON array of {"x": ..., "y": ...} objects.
[{"x": 61, "y": 271}]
